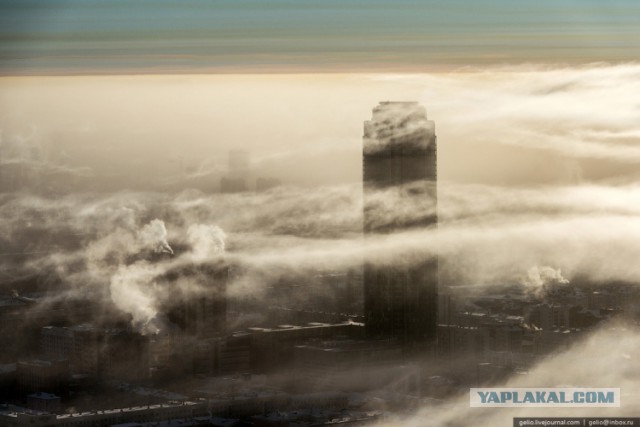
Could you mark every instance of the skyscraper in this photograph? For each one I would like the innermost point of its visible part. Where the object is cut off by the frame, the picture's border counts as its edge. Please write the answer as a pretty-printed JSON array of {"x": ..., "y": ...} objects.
[
  {"x": 236, "y": 179},
  {"x": 400, "y": 194}
]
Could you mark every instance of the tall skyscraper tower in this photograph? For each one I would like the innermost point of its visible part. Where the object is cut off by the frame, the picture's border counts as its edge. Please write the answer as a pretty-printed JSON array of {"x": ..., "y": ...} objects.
[
  {"x": 400, "y": 194},
  {"x": 236, "y": 179}
]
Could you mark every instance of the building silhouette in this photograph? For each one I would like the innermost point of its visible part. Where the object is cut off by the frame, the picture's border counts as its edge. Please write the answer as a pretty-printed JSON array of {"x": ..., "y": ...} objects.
[
  {"x": 400, "y": 194},
  {"x": 236, "y": 179},
  {"x": 265, "y": 183},
  {"x": 201, "y": 312}
]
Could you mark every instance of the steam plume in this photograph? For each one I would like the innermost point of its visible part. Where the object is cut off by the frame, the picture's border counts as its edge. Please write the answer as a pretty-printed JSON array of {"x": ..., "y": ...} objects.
[
  {"x": 154, "y": 236},
  {"x": 206, "y": 241}
]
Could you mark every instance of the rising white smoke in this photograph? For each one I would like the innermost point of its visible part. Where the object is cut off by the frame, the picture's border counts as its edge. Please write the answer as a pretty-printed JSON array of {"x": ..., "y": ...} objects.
[
  {"x": 133, "y": 292},
  {"x": 539, "y": 280},
  {"x": 132, "y": 286},
  {"x": 206, "y": 241},
  {"x": 154, "y": 236}
]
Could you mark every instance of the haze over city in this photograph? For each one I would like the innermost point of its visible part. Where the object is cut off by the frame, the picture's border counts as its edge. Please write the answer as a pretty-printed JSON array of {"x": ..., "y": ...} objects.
[{"x": 192, "y": 212}]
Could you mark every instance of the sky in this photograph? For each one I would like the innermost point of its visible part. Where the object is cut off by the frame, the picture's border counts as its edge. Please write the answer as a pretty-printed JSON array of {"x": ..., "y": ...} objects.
[
  {"x": 145, "y": 36},
  {"x": 306, "y": 74},
  {"x": 520, "y": 125}
]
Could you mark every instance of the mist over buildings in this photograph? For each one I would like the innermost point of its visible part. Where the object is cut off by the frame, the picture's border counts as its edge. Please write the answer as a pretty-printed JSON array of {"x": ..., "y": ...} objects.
[{"x": 123, "y": 196}]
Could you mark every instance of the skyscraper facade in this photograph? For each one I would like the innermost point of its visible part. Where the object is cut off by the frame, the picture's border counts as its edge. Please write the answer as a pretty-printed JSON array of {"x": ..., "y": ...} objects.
[
  {"x": 239, "y": 168},
  {"x": 400, "y": 194}
]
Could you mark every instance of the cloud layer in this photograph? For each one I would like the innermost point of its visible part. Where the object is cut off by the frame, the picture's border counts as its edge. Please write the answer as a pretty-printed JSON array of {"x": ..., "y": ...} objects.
[{"x": 606, "y": 358}]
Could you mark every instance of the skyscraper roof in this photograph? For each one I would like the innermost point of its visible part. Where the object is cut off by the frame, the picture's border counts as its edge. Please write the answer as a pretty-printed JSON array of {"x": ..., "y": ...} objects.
[{"x": 398, "y": 126}]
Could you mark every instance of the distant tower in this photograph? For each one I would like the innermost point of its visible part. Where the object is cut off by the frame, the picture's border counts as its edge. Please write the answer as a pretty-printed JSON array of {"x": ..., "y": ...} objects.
[
  {"x": 238, "y": 163},
  {"x": 400, "y": 193},
  {"x": 236, "y": 181},
  {"x": 264, "y": 184}
]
